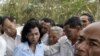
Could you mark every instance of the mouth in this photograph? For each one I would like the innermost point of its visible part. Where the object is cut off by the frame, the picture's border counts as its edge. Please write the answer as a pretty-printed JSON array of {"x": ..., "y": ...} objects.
[
  {"x": 33, "y": 40},
  {"x": 77, "y": 55},
  {"x": 80, "y": 54}
]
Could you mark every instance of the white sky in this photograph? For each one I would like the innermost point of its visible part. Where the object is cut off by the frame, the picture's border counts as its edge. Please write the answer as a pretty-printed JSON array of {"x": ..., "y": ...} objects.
[{"x": 2, "y": 1}]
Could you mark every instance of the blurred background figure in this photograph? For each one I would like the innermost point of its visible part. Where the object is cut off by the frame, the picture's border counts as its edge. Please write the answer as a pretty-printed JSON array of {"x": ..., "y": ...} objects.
[
  {"x": 86, "y": 19},
  {"x": 72, "y": 28},
  {"x": 46, "y": 23},
  {"x": 10, "y": 34}
]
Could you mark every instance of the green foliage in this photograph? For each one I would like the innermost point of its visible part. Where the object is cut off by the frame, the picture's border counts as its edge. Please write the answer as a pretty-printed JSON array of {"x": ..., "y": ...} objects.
[{"x": 58, "y": 10}]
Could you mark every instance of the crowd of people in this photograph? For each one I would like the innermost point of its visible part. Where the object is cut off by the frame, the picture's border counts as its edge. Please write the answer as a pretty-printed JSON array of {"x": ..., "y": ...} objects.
[{"x": 77, "y": 36}]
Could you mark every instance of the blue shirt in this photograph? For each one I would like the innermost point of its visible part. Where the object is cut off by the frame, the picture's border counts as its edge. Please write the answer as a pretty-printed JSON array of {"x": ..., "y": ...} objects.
[{"x": 24, "y": 50}]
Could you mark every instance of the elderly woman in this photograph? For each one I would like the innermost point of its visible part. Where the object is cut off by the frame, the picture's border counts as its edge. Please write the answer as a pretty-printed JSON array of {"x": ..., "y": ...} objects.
[
  {"x": 54, "y": 34},
  {"x": 31, "y": 45}
]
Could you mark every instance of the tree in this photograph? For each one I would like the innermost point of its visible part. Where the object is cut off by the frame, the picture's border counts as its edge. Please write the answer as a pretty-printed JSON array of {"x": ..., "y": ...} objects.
[{"x": 58, "y": 10}]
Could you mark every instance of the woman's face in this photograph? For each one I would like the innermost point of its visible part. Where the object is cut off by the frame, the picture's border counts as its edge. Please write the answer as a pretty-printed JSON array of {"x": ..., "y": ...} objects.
[
  {"x": 33, "y": 36},
  {"x": 53, "y": 37}
]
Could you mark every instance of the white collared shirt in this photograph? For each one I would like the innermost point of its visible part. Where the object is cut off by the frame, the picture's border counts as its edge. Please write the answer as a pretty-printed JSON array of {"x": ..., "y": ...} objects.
[
  {"x": 11, "y": 43},
  {"x": 63, "y": 47},
  {"x": 2, "y": 46},
  {"x": 66, "y": 47}
]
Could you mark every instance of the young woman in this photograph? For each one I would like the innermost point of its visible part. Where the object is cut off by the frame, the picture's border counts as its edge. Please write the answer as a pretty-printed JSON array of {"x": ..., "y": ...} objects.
[{"x": 31, "y": 45}]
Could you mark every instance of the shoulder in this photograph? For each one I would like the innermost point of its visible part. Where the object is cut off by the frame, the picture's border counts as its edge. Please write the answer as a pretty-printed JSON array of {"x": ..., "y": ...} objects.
[
  {"x": 18, "y": 51},
  {"x": 2, "y": 42},
  {"x": 63, "y": 39},
  {"x": 21, "y": 46},
  {"x": 3, "y": 36},
  {"x": 41, "y": 45}
]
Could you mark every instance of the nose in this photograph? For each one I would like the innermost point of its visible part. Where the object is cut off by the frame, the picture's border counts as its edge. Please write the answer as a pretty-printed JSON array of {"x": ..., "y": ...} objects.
[
  {"x": 9, "y": 30},
  {"x": 34, "y": 36}
]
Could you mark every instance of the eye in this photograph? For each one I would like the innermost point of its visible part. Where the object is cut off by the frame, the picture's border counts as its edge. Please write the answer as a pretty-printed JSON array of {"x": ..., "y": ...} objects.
[
  {"x": 30, "y": 35},
  {"x": 84, "y": 21},
  {"x": 92, "y": 44},
  {"x": 36, "y": 33}
]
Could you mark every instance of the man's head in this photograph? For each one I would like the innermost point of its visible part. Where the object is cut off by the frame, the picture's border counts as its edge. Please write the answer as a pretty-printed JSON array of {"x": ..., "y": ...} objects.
[
  {"x": 88, "y": 43},
  {"x": 72, "y": 28},
  {"x": 86, "y": 19},
  {"x": 46, "y": 23},
  {"x": 9, "y": 25}
]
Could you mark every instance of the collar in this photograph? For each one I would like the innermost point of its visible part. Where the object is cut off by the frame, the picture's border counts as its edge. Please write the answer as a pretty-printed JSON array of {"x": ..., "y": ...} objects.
[
  {"x": 26, "y": 46},
  {"x": 6, "y": 36}
]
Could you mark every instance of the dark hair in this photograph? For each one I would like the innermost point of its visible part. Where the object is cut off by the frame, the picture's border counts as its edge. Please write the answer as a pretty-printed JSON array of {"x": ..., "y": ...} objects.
[
  {"x": 48, "y": 20},
  {"x": 0, "y": 20},
  {"x": 60, "y": 25},
  {"x": 10, "y": 18},
  {"x": 32, "y": 23},
  {"x": 73, "y": 22},
  {"x": 1, "y": 25},
  {"x": 90, "y": 17}
]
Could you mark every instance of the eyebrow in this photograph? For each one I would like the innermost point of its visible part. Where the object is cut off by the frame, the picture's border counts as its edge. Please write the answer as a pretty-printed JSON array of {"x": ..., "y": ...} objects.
[
  {"x": 81, "y": 36},
  {"x": 94, "y": 40}
]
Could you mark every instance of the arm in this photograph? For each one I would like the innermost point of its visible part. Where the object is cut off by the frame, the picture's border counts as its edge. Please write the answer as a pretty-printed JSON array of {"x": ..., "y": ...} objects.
[{"x": 49, "y": 50}]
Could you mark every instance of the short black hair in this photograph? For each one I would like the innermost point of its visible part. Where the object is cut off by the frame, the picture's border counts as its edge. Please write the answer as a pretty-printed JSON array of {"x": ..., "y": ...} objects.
[
  {"x": 48, "y": 20},
  {"x": 32, "y": 23},
  {"x": 73, "y": 22},
  {"x": 10, "y": 18},
  {"x": 90, "y": 17}
]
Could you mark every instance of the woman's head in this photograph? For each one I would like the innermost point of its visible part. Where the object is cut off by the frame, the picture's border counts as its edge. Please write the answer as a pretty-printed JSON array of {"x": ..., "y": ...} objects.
[
  {"x": 31, "y": 32},
  {"x": 54, "y": 34}
]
